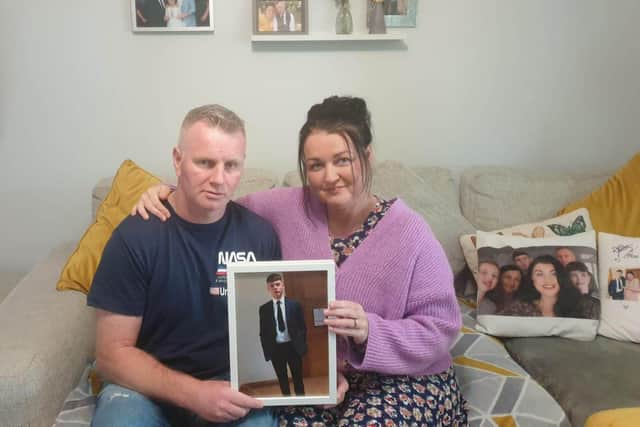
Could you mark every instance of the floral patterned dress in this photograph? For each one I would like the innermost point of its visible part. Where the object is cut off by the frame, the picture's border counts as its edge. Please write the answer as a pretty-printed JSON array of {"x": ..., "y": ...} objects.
[{"x": 375, "y": 399}]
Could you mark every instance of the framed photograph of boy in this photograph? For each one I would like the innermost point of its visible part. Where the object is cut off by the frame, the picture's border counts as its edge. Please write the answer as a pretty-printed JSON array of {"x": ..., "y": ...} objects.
[
  {"x": 171, "y": 15},
  {"x": 280, "y": 17},
  {"x": 280, "y": 350}
]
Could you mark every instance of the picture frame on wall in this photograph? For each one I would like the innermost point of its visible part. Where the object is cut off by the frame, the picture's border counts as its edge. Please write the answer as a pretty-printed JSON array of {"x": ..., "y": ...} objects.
[
  {"x": 280, "y": 17},
  {"x": 400, "y": 13},
  {"x": 171, "y": 15},
  {"x": 280, "y": 350}
]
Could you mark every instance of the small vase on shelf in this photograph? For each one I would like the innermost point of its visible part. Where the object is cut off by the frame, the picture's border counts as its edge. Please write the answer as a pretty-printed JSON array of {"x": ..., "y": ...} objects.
[
  {"x": 375, "y": 17},
  {"x": 344, "y": 20}
]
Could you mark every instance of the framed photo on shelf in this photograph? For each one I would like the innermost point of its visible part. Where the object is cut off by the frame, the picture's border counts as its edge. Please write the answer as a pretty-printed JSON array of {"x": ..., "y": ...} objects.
[
  {"x": 171, "y": 15},
  {"x": 280, "y": 350},
  {"x": 280, "y": 17},
  {"x": 400, "y": 13}
]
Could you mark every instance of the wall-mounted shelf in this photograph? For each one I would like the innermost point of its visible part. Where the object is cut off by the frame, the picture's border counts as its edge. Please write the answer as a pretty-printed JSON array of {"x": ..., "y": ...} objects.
[{"x": 326, "y": 37}]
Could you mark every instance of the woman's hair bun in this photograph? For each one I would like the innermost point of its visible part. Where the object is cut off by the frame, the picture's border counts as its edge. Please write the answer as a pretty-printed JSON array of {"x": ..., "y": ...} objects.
[{"x": 341, "y": 108}]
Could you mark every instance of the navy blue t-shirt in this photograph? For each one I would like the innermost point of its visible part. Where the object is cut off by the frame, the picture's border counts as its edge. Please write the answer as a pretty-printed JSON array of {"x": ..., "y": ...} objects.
[{"x": 173, "y": 274}]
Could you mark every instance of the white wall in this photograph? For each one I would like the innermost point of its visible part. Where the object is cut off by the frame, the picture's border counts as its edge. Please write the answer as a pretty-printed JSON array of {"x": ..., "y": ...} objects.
[{"x": 546, "y": 84}]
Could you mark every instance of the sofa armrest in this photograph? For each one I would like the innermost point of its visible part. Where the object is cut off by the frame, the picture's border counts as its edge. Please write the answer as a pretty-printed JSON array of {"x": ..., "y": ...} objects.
[{"x": 46, "y": 338}]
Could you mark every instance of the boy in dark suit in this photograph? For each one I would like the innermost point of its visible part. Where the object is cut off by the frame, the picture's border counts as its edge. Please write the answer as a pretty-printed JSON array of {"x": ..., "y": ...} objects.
[
  {"x": 616, "y": 286},
  {"x": 283, "y": 335}
]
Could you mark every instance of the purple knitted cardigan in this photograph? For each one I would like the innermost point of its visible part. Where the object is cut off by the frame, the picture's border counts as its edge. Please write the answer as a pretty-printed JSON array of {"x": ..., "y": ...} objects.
[{"x": 399, "y": 274}]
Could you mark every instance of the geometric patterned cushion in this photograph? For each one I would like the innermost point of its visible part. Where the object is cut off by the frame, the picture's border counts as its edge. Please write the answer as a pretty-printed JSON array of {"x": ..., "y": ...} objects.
[
  {"x": 499, "y": 392},
  {"x": 80, "y": 404}
]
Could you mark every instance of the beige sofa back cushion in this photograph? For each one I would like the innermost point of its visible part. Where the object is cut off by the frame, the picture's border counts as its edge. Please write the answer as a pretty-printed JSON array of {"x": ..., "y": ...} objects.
[
  {"x": 430, "y": 191},
  {"x": 497, "y": 197}
]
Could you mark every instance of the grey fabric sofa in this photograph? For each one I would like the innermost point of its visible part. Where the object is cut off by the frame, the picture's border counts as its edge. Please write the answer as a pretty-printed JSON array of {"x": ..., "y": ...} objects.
[
  {"x": 584, "y": 377},
  {"x": 47, "y": 337}
]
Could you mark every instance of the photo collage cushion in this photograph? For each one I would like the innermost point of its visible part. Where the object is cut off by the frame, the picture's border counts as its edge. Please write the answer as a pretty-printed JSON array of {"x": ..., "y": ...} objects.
[
  {"x": 619, "y": 266},
  {"x": 577, "y": 221},
  {"x": 538, "y": 287}
]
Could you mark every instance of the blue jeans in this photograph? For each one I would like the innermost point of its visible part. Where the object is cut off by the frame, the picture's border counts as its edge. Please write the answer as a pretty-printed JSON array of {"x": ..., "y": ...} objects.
[{"x": 121, "y": 407}]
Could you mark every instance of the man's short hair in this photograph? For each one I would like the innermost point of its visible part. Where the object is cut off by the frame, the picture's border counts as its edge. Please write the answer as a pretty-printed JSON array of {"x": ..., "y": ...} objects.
[
  {"x": 517, "y": 253},
  {"x": 273, "y": 277},
  {"x": 215, "y": 116},
  {"x": 561, "y": 248}
]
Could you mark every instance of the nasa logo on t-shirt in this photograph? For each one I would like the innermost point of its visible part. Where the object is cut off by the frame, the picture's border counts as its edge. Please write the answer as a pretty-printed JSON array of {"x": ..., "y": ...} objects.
[{"x": 219, "y": 288}]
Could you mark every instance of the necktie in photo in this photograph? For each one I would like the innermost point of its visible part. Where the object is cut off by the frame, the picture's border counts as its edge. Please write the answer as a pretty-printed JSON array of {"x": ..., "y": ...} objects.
[
  {"x": 618, "y": 285},
  {"x": 280, "y": 317}
]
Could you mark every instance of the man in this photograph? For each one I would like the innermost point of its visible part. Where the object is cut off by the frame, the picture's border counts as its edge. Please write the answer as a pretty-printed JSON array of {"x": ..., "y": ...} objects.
[
  {"x": 202, "y": 13},
  {"x": 150, "y": 13},
  {"x": 283, "y": 335},
  {"x": 188, "y": 13},
  {"x": 522, "y": 260},
  {"x": 616, "y": 286},
  {"x": 162, "y": 332},
  {"x": 565, "y": 255},
  {"x": 283, "y": 21}
]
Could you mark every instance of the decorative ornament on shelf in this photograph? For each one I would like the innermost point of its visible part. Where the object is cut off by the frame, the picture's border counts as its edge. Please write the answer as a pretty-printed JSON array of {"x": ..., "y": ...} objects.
[
  {"x": 344, "y": 20},
  {"x": 375, "y": 17}
]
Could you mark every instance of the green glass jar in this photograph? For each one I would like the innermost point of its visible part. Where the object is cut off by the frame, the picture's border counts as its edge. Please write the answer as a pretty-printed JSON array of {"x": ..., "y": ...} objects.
[{"x": 344, "y": 20}]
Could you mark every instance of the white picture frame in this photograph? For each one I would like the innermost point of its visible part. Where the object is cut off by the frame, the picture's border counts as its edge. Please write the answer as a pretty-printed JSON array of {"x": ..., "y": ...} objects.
[
  {"x": 149, "y": 16},
  {"x": 265, "y": 17},
  {"x": 309, "y": 284}
]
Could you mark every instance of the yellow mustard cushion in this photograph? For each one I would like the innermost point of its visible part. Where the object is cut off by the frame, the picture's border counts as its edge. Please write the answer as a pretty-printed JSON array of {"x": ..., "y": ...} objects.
[
  {"x": 625, "y": 417},
  {"x": 127, "y": 187},
  {"x": 615, "y": 207}
]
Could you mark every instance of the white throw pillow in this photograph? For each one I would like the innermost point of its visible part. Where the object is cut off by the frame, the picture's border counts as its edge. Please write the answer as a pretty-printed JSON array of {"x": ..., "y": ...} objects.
[
  {"x": 577, "y": 221},
  {"x": 543, "y": 298},
  {"x": 620, "y": 318}
]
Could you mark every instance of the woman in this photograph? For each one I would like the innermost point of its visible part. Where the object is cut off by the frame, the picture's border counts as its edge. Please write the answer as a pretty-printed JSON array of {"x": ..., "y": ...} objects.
[
  {"x": 265, "y": 20},
  {"x": 581, "y": 278},
  {"x": 548, "y": 292},
  {"x": 488, "y": 272},
  {"x": 508, "y": 286},
  {"x": 396, "y": 313},
  {"x": 632, "y": 287}
]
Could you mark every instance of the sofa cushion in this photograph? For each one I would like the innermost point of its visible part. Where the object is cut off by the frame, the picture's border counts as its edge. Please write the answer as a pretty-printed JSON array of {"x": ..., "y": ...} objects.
[
  {"x": 614, "y": 205},
  {"x": 574, "y": 315},
  {"x": 620, "y": 317},
  {"x": 577, "y": 221},
  {"x": 623, "y": 417},
  {"x": 434, "y": 199},
  {"x": 128, "y": 185},
  {"x": 498, "y": 391},
  {"x": 584, "y": 377},
  {"x": 494, "y": 197}
]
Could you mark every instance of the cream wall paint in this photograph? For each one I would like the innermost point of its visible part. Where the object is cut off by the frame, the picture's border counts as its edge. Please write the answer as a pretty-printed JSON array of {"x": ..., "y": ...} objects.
[{"x": 542, "y": 84}]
